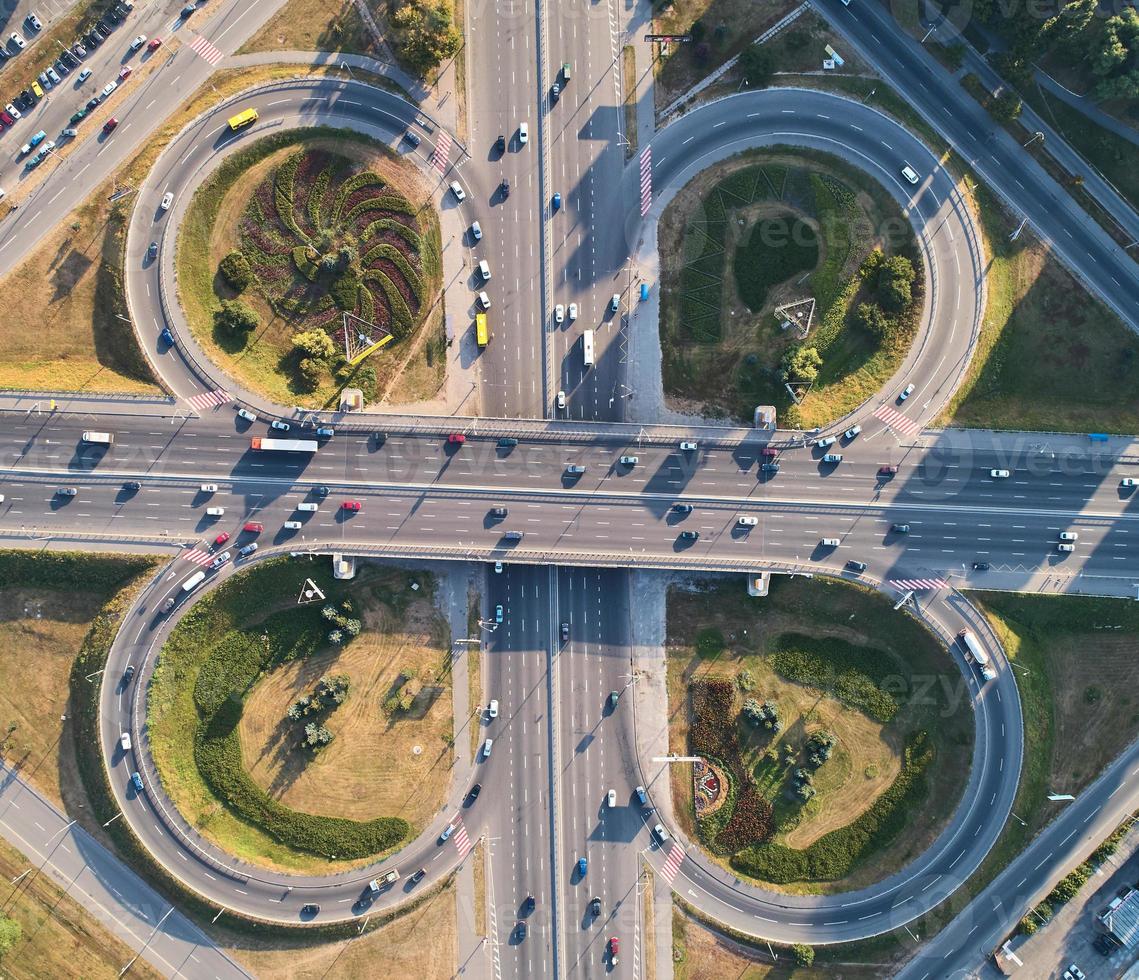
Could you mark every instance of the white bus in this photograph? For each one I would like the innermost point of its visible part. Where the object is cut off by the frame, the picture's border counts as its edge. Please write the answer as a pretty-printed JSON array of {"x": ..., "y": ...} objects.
[
  {"x": 193, "y": 581},
  {"x": 99, "y": 438},
  {"x": 587, "y": 347},
  {"x": 975, "y": 653}
]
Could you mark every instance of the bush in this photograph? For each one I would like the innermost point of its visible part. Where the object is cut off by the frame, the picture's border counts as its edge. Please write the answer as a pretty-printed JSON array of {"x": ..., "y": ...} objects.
[
  {"x": 314, "y": 343},
  {"x": 308, "y": 374},
  {"x": 893, "y": 280},
  {"x": 869, "y": 317},
  {"x": 804, "y": 955},
  {"x": 757, "y": 65},
  {"x": 236, "y": 271},
  {"x": 744, "y": 680},
  {"x": 802, "y": 364},
  {"x": 236, "y": 316}
]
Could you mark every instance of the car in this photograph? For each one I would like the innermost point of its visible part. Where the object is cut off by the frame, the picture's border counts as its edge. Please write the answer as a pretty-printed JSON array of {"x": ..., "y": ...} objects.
[
  {"x": 209, "y": 488},
  {"x": 1127, "y": 482},
  {"x": 92, "y": 103},
  {"x": 747, "y": 520},
  {"x": 44, "y": 80},
  {"x": 492, "y": 708},
  {"x": 642, "y": 796},
  {"x": 832, "y": 458},
  {"x": 69, "y": 59},
  {"x": 6, "y": 118},
  {"x": 457, "y": 190},
  {"x": 688, "y": 447},
  {"x": 484, "y": 301},
  {"x": 523, "y": 134},
  {"x": 128, "y": 673},
  {"x": 187, "y": 11},
  {"x": 1069, "y": 536},
  {"x": 221, "y": 560},
  {"x": 582, "y": 866},
  {"x": 102, "y": 30},
  {"x": 611, "y": 798},
  {"x": 114, "y": 17},
  {"x": 595, "y": 906},
  {"x": 559, "y": 313},
  {"x": 856, "y": 566},
  {"x": 910, "y": 174},
  {"x": 138, "y": 42},
  {"x": 320, "y": 491},
  {"x": 247, "y": 550},
  {"x": 292, "y": 525},
  {"x": 498, "y": 568},
  {"x": 244, "y": 413},
  {"x": 981, "y": 566},
  {"x": 310, "y": 909},
  {"x": 1075, "y": 971},
  {"x": 906, "y": 392},
  {"x": 486, "y": 747},
  {"x": 12, "y": 111},
  {"x": 221, "y": 539},
  {"x": 498, "y": 614},
  {"x": 690, "y": 535},
  {"x": 132, "y": 485},
  {"x": 350, "y": 505},
  {"x": 613, "y": 946},
  {"x": 826, "y": 441},
  {"x": 528, "y": 905},
  {"x": 125, "y": 72},
  {"x": 110, "y": 124},
  {"x": 560, "y": 401},
  {"x": 999, "y": 474},
  {"x": 473, "y": 793},
  {"x": 447, "y": 832},
  {"x": 555, "y": 90},
  {"x": 456, "y": 438},
  {"x": 92, "y": 40},
  {"x": 572, "y": 312},
  {"x": 769, "y": 468},
  {"x": 15, "y": 38},
  {"x": 279, "y": 425},
  {"x": 900, "y": 528},
  {"x": 136, "y": 782},
  {"x": 253, "y": 527},
  {"x": 504, "y": 188},
  {"x": 575, "y": 469},
  {"x": 520, "y": 930},
  {"x": 107, "y": 89},
  {"x": 661, "y": 834},
  {"x": 66, "y": 491},
  {"x": 53, "y": 75},
  {"x": 70, "y": 133},
  {"x": 34, "y": 21},
  {"x": 411, "y": 137},
  {"x": 629, "y": 460},
  {"x": 507, "y": 442},
  {"x": 484, "y": 270},
  {"x": 152, "y": 251},
  {"x": 476, "y": 231},
  {"x": 614, "y": 697},
  {"x": 682, "y": 508},
  {"x": 78, "y": 50},
  {"x": 887, "y": 470},
  {"x": 168, "y": 604},
  {"x": 500, "y": 143},
  {"x": 565, "y": 632},
  {"x": 154, "y": 44},
  {"x": 26, "y": 99},
  {"x": 379, "y": 438},
  {"x": 852, "y": 432},
  {"x": 215, "y": 511},
  {"x": 1065, "y": 546}
]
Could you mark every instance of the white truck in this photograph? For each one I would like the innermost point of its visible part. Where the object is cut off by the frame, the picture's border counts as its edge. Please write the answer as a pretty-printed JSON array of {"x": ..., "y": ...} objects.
[
  {"x": 976, "y": 654},
  {"x": 390, "y": 878},
  {"x": 99, "y": 438}
]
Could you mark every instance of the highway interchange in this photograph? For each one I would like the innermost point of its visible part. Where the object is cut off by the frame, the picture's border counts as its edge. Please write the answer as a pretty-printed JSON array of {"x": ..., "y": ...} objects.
[{"x": 558, "y": 747}]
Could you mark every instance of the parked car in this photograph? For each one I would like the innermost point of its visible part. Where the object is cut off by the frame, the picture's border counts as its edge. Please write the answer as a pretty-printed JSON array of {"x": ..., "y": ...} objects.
[
  {"x": 155, "y": 44},
  {"x": 138, "y": 42}
]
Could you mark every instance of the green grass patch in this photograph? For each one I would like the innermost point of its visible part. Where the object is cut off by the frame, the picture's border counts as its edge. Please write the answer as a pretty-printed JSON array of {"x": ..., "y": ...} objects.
[
  {"x": 779, "y": 247},
  {"x": 852, "y": 674}
]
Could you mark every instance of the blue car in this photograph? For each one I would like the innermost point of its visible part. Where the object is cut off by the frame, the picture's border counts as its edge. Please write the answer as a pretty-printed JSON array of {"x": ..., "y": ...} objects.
[
  {"x": 167, "y": 337},
  {"x": 498, "y": 614},
  {"x": 557, "y": 202},
  {"x": 136, "y": 782},
  {"x": 644, "y": 291},
  {"x": 582, "y": 866}
]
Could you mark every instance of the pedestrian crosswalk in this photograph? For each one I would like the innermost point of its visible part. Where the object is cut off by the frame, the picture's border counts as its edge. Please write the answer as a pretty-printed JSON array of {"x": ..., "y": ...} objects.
[
  {"x": 918, "y": 584},
  {"x": 197, "y": 556},
  {"x": 672, "y": 863},
  {"x": 896, "y": 420},
  {"x": 442, "y": 151},
  {"x": 646, "y": 180},
  {"x": 201, "y": 47},
  {"x": 463, "y": 842},
  {"x": 209, "y": 399}
]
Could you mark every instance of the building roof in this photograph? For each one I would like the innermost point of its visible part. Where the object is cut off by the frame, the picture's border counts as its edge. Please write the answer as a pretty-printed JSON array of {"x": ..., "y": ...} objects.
[{"x": 1123, "y": 921}]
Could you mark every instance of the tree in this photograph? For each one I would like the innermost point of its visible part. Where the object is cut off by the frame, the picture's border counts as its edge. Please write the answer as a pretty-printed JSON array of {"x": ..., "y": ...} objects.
[
  {"x": 336, "y": 638},
  {"x": 697, "y": 31},
  {"x": 308, "y": 374},
  {"x": 757, "y": 64},
  {"x": 804, "y": 954},
  {"x": 869, "y": 317},
  {"x": 427, "y": 35},
  {"x": 753, "y": 713},
  {"x": 236, "y": 316},
  {"x": 802, "y": 364},
  {"x": 236, "y": 271},
  {"x": 314, "y": 343},
  {"x": 955, "y": 55},
  {"x": 10, "y": 933},
  {"x": 1006, "y": 107},
  {"x": 894, "y": 285},
  {"x": 1069, "y": 24}
]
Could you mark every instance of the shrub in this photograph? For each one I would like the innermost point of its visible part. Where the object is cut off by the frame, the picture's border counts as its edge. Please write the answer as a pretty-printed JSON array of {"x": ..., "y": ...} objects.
[
  {"x": 804, "y": 955},
  {"x": 308, "y": 374},
  {"x": 846, "y": 672},
  {"x": 10, "y": 933},
  {"x": 757, "y": 65},
  {"x": 236, "y": 271},
  {"x": 744, "y": 680},
  {"x": 802, "y": 364},
  {"x": 869, "y": 317},
  {"x": 236, "y": 316}
]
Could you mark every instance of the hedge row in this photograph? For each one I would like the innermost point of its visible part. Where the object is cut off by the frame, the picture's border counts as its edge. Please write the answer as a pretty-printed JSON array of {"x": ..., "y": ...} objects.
[
  {"x": 835, "y": 855},
  {"x": 399, "y": 260},
  {"x": 401, "y": 316},
  {"x": 69, "y": 571},
  {"x": 346, "y": 189},
  {"x": 849, "y": 673},
  {"x": 409, "y": 235},
  {"x": 316, "y": 196}
]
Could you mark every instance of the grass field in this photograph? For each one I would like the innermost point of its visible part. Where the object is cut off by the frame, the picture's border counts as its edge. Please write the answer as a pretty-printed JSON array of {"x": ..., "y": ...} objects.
[
  {"x": 422, "y": 943},
  {"x": 313, "y": 25},
  {"x": 735, "y": 223},
  {"x": 868, "y": 754},
  {"x": 384, "y": 601}
]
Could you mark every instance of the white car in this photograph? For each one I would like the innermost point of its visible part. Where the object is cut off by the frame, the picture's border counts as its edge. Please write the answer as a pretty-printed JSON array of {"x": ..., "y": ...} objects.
[
  {"x": 486, "y": 747},
  {"x": 498, "y": 568},
  {"x": 1069, "y": 536},
  {"x": 615, "y": 302},
  {"x": 293, "y": 525},
  {"x": 910, "y": 174},
  {"x": 561, "y": 401},
  {"x": 629, "y": 460},
  {"x": 167, "y": 200},
  {"x": 15, "y": 38},
  {"x": 66, "y": 492},
  {"x": 109, "y": 88},
  {"x": 215, "y": 511},
  {"x": 832, "y": 458},
  {"x": 1127, "y": 481},
  {"x": 572, "y": 312},
  {"x": 12, "y": 111},
  {"x": 125, "y": 741},
  {"x": 35, "y": 22},
  {"x": 457, "y": 190},
  {"x": 279, "y": 425},
  {"x": 852, "y": 432},
  {"x": 220, "y": 560},
  {"x": 688, "y": 447},
  {"x": 1065, "y": 546},
  {"x": 484, "y": 301},
  {"x": 906, "y": 392},
  {"x": 523, "y": 134},
  {"x": 209, "y": 488},
  {"x": 747, "y": 520},
  {"x": 559, "y": 313},
  {"x": 484, "y": 270},
  {"x": 492, "y": 708},
  {"x": 611, "y": 798},
  {"x": 244, "y": 413},
  {"x": 999, "y": 474},
  {"x": 138, "y": 42},
  {"x": 476, "y": 231},
  {"x": 828, "y": 441}
]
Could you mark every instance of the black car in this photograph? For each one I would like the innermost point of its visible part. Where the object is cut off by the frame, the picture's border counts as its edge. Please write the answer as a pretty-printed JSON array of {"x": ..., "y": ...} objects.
[
  {"x": 981, "y": 566},
  {"x": 60, "y": 67},
  {"x": 504, "y": 187},
  {"x": 91, "y": 104},
  {"x": 595, "y": 906},
  {"x": 473, "y": 793},
  {"x": 411, "y": 138},
  {"x": 69, "y": 59},
  {"x": 500, "y": 143},
  {"x": 152, "y": 251},
  {"x": 565, "y": 632},
  {"x": 416, "y": 878},
  {"x": 26, "y": 99},
  {"x": 92, "y": 40},
  {"x": 682, "y": 508},
  {"x": 528, "y": 905},
  {"x": 310, "y": 909},
  {"x": 187, "y": 10},
  {"x": 102, "y": 30},
  {"x": 507, "y": 443},
  {"x": 132, "y": 485},
  {"x": 113, "y": 17},
  {"x": 321, "y": 491},
  {"x": 690, "y": 535},
  {"x": 128, "y": 673},
  {"x": 379, "y": 438},
  {"x": 520, "y": 930}
]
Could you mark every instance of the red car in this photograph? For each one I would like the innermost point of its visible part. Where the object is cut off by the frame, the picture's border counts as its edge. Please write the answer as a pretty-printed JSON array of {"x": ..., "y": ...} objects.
[
  {"x": 110, "y": 124},
  {"x": 125, "y": 72},
  {"x": 457, "y": 437},
  {"x": 887, "y": 471},
  {"x": 352, "y": 505},
  {"x": 613, "y": 950},
  {"x": 155, "y": 44},
  {"x": 221, "y": 538},
  {"x": 253, "y": 527}
]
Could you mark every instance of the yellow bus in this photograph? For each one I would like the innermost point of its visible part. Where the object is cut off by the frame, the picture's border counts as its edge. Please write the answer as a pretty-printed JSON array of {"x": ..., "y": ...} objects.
[
  {"x": 481, "y": 334},
  {"x": 244, "y": 118}
]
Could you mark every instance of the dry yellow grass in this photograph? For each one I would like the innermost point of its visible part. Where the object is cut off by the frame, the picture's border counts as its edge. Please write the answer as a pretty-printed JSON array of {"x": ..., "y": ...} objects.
[
  {"x": 422, "y": 944},
  {"x": 376, "y": 766},
  {"x": 313, "y": 25}
]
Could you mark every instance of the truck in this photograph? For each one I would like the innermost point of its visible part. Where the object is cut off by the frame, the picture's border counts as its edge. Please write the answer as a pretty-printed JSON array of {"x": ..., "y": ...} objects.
[
  {"x": 99, "y": 438},
  {"x": 193, "y": 581},
  {"x": 285, "y": 445},
  {"x": 976, "y": 654},
  {"x": 482, "y": 335},
  {"x": 390, "y": 878},
  {"x": 587, "y": 348}
]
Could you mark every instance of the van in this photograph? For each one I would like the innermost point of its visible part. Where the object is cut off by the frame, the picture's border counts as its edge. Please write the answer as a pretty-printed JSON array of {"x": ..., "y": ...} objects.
[
  {"x": 831, "y": 542},
  {"x": 99, "y": 438},
  {"x": 125, "y": 741},
  {"x": 308, "y": 505},
  {"x": 193, "y": 581},
  {"x": 513, "y": 536},
  {"x": 566, "y": 71}
]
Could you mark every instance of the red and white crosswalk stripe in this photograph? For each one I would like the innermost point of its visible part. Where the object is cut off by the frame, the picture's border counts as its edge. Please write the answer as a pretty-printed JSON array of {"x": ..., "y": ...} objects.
[
  {"x": 917, "y": 584},
  {"x": 896, "y": 420},
  {"x": 672, "y": 865},
  {"x": 209, "y": 399},
  {"x": 463, "y": 843},
  {"x": 442, "y": 151},
  {"x": 197, "y": 556},
  {"x": 200, "y": 46},
  {"x": 646, "y": 180}
]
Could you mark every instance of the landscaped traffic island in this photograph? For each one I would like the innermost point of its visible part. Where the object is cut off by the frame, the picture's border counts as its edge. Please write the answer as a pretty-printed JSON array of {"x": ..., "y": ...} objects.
[
  {"x": 835, "y": 733},
  {"x": 290, "y": 734},
  {"x": 310, "y": 261},
  {"x": 745, "y": 247}
]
